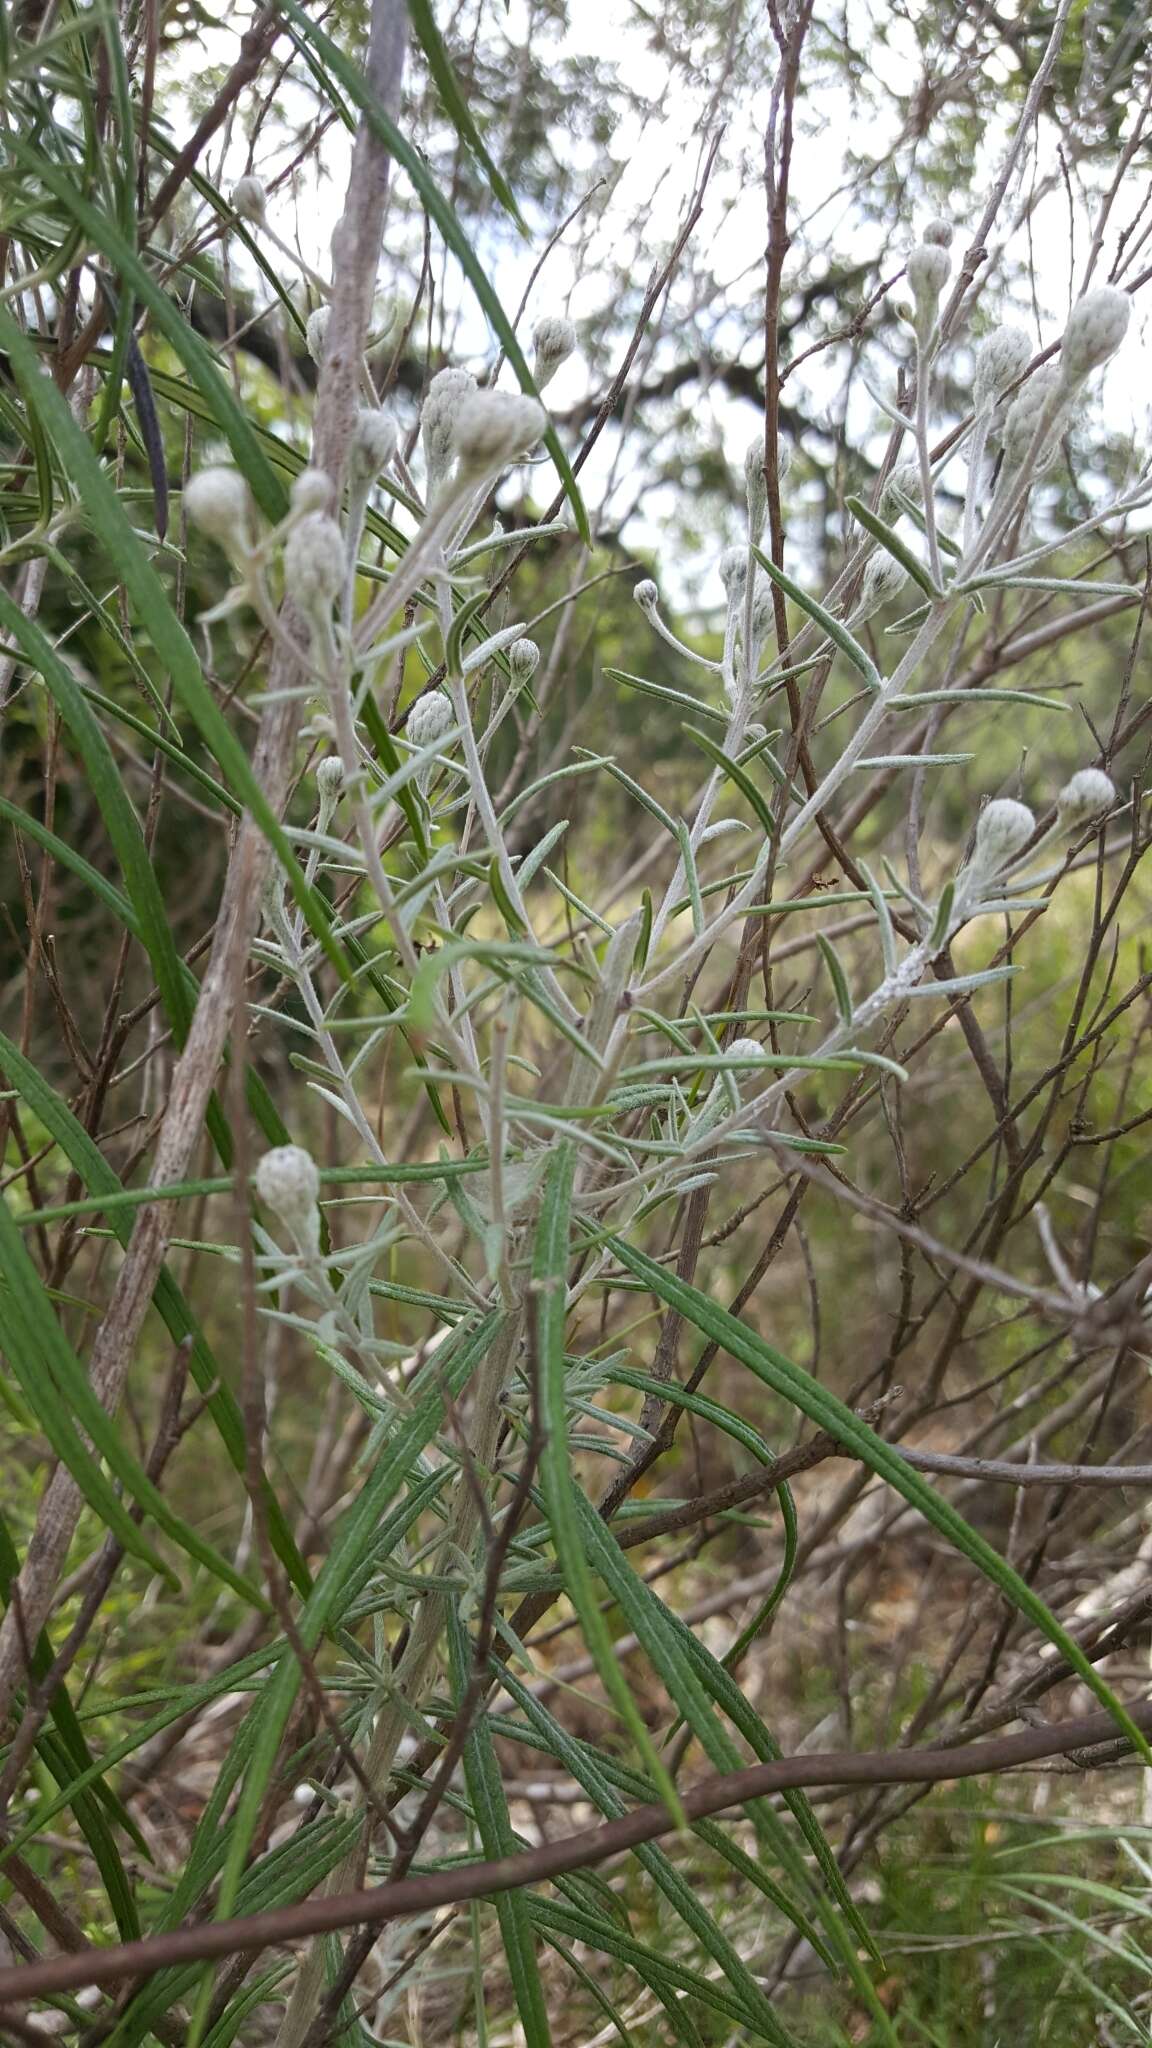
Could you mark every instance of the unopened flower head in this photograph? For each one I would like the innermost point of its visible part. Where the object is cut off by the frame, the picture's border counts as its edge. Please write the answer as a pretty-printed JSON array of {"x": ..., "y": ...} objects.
[
  {"x": 523, "y": 660},
  {"x": 756, "y": 480},
  {"x": 927, "y": 273},
  {"x": 904, "y": 482},
  {"x": 755, "y": 485},
  {"x": 884, "y": 576},
  {"x": 938, "y": 234},
  {"x": 646, "y": 594},
  {"x": 250, "y": 201},
  {"x": 373, "y": 444},
  {"x": 744, "y": 1049},
  {"x": 1002, "y": 829},
  {"x": 446, "y": 394},
  {"x": 429, "y": 718},
  {"x": 1023, "y": 418},
  {"x": 734, "y": 571},
  {"x": 494, "y": 428},
  {"x": 311, "y": 492},
  {"x": 553, "y": 339},
  {"x": 1096, "y": 326},
  {"x": 330, "y": 778},
  {"x": 1001, "y": 357},
  {"x": 216, "y": 500},
  {"x": 763, "y": 605},
  {"x": 316, "y": 332},
  {"x": 315, "y": 565},
  {"x": 288, "y": 1183},
  {"x": 330, "y": 788},
  {"x": 1086, "y": 796}
]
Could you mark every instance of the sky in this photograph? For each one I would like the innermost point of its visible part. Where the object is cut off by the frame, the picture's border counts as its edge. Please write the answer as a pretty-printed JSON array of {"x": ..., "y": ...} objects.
[{"x": 660, "y": 153}]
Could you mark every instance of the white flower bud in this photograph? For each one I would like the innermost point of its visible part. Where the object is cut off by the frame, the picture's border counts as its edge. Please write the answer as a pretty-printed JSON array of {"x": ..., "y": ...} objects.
[
  {"x": 493, "y": 428},
  {"x": 429, "y": 718},
  {"x": 330, "y": 788},
  {"x": 1003, "y": 827},
  {"x": 315, "y": 567},
  {"x": 646, "y": 594},
  {"x": 373, "y": 444},
  {"x": 250, "y": 201},
  {"x": 553, "y": 340},
  {"x": 330, "y": 778},
  {"x": 1096, "y": 326},
  {"x": 755, "y": 486},
  {"x": 927, "y": 271},
  {"x": 523, "y": 660},
  {"x": 446, "y": 394},
  {"x": 938, "y": 234},
  {"x": 1089, "y": 793},
  {"x": 315, "y": 333},
  {"x": 288, "y": 1183},
  {"x": 884, "y": 577},
  {"x": 763, "y": 605},
  {"x": 217, "y": 501},
  {"x": 1022, "y": 419},
  {"x": 744, "y": 1049},
  {"x": 1001, "y": 357},
  {"x": 734, "y": 571},
  {"x": 905, "y": 480},
  {"x": 311, "y": 492}
]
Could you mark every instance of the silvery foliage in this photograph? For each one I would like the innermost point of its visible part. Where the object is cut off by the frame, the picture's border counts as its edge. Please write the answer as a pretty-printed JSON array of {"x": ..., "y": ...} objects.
[{"x": 654, "y": 1113}]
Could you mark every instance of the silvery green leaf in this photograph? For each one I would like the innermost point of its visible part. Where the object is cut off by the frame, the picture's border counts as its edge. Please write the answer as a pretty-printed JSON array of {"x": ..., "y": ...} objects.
[{"x": 963, "y": 983}]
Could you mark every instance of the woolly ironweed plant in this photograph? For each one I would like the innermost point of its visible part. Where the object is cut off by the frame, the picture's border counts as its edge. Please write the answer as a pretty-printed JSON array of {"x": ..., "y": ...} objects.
[{"x": 554, "y": 1381}]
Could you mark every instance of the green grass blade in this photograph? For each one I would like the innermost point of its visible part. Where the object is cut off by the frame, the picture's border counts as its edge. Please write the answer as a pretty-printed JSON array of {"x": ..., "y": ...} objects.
[
  {"x": 55, "y": 1384},
  {"x": 486, "y": 1792},
  {"x": 455, "y": 236},
  {"x": 169, "y": 638},
  {"x": 85, "y": 1156},
  {"x": 801, "y": 1391},
  {"x": 456, "y": 106},
  {"x": 561, "y": 1493}
]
